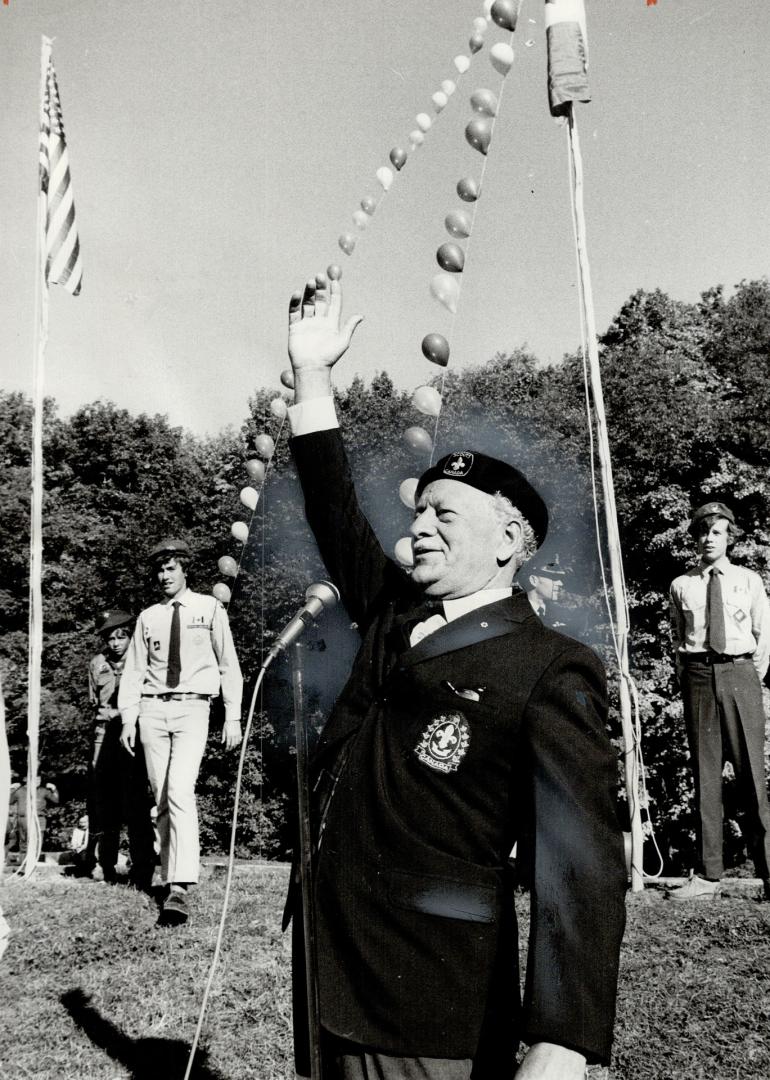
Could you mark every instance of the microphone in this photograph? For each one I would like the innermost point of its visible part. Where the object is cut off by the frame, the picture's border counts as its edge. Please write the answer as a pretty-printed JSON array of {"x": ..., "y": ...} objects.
[{"x": 318, "y": 597}]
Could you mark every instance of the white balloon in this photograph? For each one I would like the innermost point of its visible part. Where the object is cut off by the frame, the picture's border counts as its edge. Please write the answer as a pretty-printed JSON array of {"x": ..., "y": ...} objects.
[
  {"x": 439, "y": 100},
  {"x": 403, "y": 551},
  {"x": 407, "y": 490},
  {"x": 448, "y": 87},
  {"x": 360, "y": 219},
  {"x": 479, "y": 25},
  {"x": 384, "y": 177},
  {"x": 278, "y": 408},
  {"x": 501, "y": 56},
  {"x": 416, "y": 138},
  {"x": 428, "y": 400},
  {"x": 424, "y": 122},
  {"x": 462, "y": 63},
  {"x": 240, "y": 530},
  {"x": 250, "y": 497}
]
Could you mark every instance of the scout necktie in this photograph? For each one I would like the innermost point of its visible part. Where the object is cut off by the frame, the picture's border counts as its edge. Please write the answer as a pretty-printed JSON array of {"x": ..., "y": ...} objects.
[
  {"x": 174, "y": 660},
  {"x": 716, "y": 612}
]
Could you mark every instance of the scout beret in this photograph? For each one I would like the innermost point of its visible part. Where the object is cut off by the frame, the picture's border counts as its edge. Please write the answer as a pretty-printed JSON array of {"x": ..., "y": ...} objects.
[
  {"x": 110, "y": 620},
  {"x": 717, "y": 508},
  {"x": 490, "y": 475},
  {"x": 168, "y": 548}
]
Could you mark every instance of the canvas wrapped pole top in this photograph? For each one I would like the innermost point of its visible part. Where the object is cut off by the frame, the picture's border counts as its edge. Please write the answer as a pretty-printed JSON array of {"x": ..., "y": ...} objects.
[{"x": 567, "y": 39}]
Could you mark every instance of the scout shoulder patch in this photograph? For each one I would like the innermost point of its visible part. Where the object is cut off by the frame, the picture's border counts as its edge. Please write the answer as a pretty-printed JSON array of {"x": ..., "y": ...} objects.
[
  {"x": 459, "y": 464},
  {"x": 444, "y": 742}
]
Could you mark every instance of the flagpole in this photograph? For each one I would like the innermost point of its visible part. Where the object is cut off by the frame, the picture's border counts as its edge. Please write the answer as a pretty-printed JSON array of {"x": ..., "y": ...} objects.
[{"x": 36, "y": 515}]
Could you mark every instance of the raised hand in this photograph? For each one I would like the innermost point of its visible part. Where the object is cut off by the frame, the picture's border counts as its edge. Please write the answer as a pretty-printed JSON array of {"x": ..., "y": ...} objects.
[{"x": 316, "y": 338}]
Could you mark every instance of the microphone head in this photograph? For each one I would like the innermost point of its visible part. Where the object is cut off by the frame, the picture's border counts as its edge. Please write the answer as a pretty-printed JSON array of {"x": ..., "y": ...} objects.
[{"x": 323, "y": 591}]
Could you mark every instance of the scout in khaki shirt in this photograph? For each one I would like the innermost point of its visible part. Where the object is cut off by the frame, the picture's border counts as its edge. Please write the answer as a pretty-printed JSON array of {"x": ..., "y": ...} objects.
[
  {"x": 180, "y": 656},
  {"x": 720, "y": 624}
]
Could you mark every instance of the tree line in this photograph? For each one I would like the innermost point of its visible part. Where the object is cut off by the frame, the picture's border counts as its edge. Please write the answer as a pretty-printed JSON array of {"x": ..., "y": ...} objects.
[{"x": 687, "y": 396}]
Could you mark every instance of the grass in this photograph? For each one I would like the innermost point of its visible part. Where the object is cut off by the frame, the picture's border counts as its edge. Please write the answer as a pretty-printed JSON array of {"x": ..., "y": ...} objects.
[{"x": 94, "y": 990}]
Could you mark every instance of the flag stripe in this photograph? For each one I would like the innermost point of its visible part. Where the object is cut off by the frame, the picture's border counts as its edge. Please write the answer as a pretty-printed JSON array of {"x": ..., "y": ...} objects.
[{"x": 63, "y": 264}]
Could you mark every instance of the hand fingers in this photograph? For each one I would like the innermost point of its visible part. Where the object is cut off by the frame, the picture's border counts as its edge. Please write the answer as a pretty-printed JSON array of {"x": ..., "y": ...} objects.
[
  {"x": 335, "y": 298},
  {"x": 308, "y": 299},
  {"x": 294, "y": 307},
  {"x": 321, "y": 296}
]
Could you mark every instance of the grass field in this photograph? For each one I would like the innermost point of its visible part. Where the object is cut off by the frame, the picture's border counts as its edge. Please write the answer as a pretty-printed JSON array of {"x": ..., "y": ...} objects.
[{"x": 92, "y": 989}]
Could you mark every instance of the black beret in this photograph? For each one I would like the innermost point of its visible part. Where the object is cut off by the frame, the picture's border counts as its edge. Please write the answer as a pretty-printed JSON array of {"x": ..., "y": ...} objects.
[
  {"x": 111, "y": 620},
  {"x": 169, "y": 548},
  {"x": 707, "y": 510},
  {"x": 490, "y": 475}
]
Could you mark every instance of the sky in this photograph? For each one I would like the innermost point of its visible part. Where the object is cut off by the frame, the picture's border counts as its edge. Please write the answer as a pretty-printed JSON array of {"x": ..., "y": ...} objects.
[{"x": 218, "y": 149}]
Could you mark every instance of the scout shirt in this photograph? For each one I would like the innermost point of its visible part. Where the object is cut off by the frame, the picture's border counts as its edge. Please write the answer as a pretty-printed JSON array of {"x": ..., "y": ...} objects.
[
  {"x": 206, "y": 650},
  {"x": 746, "y": 608}
]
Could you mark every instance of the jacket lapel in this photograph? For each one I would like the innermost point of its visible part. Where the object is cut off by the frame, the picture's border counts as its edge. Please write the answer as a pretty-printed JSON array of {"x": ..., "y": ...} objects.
[{"x": 481, "y": 624}]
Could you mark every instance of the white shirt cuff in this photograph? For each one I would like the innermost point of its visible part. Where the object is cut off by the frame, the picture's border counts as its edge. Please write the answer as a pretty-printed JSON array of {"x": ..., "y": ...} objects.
[{"x": 318, "y": 414}]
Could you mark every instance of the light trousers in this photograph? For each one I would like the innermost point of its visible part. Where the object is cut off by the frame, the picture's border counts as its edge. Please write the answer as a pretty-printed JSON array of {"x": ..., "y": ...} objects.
[{"x": 173, "y": 735}]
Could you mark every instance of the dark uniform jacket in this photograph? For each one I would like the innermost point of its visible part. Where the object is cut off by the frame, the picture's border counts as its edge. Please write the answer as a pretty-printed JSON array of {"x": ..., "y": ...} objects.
[{"x": 434, "y": 762}]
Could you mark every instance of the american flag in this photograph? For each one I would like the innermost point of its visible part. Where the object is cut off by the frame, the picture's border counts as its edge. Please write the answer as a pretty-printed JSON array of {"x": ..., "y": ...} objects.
[{"x": 63, "y": 265}]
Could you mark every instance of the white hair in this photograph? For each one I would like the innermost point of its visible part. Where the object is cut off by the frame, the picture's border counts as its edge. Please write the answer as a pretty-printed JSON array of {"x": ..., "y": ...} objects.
[{"x": 506, "y": 512}]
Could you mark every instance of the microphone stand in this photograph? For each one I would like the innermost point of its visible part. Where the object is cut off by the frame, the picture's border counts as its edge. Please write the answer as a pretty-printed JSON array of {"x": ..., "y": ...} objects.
[{"x": 306, "y": 864}]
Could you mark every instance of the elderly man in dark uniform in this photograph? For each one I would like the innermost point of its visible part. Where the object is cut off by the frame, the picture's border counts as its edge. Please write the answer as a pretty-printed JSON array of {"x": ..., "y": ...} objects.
[
  {"x": 720, "y": 621},
  {"x": 464, "y": 724}
]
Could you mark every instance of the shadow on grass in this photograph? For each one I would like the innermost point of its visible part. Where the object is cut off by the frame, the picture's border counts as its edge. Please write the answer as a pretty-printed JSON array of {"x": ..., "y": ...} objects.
[{"x": 148, "y": 1059}]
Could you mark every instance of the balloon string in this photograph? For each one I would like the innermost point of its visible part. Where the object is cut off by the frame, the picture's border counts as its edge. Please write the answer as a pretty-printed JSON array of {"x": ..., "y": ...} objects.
[{"x": 474, "y": 212}]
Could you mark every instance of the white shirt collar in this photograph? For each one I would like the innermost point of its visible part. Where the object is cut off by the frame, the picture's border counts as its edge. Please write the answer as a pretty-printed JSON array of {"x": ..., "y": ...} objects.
[
  {"x": 721, "y": 564},
  {"x": 460, "y": 605},
  {"x": 181, "y": 597}
]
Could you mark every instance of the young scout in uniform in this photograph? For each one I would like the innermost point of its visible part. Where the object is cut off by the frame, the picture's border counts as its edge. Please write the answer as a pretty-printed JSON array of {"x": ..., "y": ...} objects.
[
  {"x": 181, "y": 655},
  {"x": 464, "y": 723},
  {"x": 118, "y": 783},
  {"x": 720, "y": 625}
]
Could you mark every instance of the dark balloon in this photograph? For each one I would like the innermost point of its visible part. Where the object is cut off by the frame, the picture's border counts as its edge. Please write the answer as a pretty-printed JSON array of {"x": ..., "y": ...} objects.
[
  {"x": 398, "y": 158},
  {"x": 451, "y": 257},
  {"x": 458, "y": 223},
  {"x": 479, "y": 133},
  {"x": 435, "y": 348},
  {"x": 504, "y": 13},
  {"x": 468, "y": 189}
]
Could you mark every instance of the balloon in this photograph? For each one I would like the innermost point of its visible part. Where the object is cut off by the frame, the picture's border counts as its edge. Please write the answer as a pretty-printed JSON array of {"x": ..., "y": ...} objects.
[
  {"x": 265, "y": 446},
  {"x": 406, "y": 492},
  {"x": 485, "y": 102},
  {"x": 368, "y": 205},
  {"x": 360, "y": 219},
  {"x": 334, "y": 273},
  {"x": 228, "y": 565},
  {"x": 488, "y": 7},
  {"x": 398, "y": 158},
  {"x": 278, "y": 408},
  {"x": 384, "y": 177},
  {"x": 446, "y": 290},
  {"x": 256, "y": 470},
  {"x": 476, "y": 43},
  {"x": 222, "y": 592},
  {"x": 501, "y": 56},
  {"x": 504, "y": 13},
  {"x": 448, "y": 87},
  {"x": 424, "y": 122},
  {"x": 479, "y": 133},
  {"x": 479, "y": 25},
  {"x": 240, "y": 531},
  {"x": 451, "y": 257},
  {"x": 439, "y": 100},
  {"x": 435, "y": 348},
  {"x": 403, "y": 551},
  {"x": 418, "y": 438},
  {"x": 428, "y": 400},
  {"x": 287, "y": 377},
  {"x": 458, "y": 223},
  {"x": 468, "y": 189},
  {"x": 462, "y": 63},
  {"x": 347, "y": 242},
  {"x": 416, "y": 138},
  {"x": 250, "y": 498}
]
